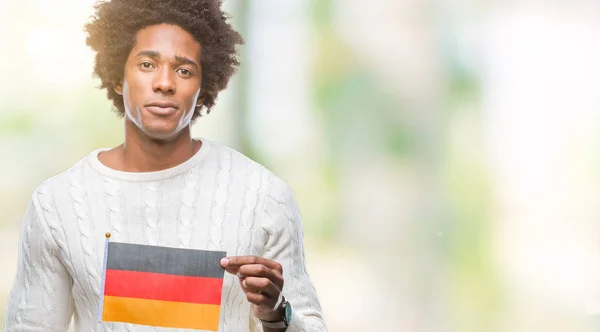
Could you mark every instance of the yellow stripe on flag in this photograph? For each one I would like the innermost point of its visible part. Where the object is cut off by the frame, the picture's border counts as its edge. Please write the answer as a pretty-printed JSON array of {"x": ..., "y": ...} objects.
[{"x": 161, "y": 313}]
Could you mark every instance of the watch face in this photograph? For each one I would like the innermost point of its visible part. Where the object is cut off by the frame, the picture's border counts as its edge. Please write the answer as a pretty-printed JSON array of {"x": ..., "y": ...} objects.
[{"x": 288, "y": 312}]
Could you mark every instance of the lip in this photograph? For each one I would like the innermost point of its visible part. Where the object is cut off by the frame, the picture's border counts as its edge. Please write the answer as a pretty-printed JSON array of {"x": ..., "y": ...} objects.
[{"x": 162, "y": 108}]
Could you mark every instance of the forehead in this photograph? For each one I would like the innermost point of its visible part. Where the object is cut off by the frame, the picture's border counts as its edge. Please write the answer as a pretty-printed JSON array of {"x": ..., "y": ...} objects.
[{"x": 169, "y": 40}]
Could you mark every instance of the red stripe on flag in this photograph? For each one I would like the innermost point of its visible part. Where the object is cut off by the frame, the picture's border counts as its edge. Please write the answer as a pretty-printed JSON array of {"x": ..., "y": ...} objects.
[{"x": 164, "y": 287}]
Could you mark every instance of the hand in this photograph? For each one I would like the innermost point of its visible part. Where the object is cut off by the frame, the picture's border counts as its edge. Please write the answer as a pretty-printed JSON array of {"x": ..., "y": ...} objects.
[{"x": 261, "y": 280}]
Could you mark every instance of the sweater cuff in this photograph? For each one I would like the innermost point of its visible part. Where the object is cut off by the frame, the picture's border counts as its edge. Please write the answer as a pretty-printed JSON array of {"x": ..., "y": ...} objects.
[{"x": 296, "y": 324}]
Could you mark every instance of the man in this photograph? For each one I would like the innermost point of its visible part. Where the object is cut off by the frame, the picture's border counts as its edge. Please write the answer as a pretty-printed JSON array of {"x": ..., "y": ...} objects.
[{"x": 163, "y": 64}]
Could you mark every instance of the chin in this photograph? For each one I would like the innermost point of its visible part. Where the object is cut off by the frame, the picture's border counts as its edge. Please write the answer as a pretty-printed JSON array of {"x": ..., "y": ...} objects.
[
  {"x": 161, "y": 132},
  {"x": 159, "y": 128},
  {"x": 160, "y": 136}
]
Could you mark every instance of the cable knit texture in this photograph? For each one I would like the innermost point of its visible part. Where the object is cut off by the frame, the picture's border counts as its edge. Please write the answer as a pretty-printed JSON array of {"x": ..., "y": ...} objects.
[{"x": 218, "y": 200}]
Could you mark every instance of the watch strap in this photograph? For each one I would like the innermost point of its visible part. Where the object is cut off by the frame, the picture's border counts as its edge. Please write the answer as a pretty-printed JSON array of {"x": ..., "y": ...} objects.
[
  {"x": 283, "y": 323},
  {"x": 274, "y": 325}
]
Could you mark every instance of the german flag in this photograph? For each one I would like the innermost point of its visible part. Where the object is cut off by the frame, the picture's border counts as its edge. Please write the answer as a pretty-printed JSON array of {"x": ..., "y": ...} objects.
[{"x": 162, "y": 287}]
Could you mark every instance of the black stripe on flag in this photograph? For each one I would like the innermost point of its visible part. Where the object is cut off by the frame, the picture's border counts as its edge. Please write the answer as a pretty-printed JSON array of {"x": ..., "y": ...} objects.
[{"x": 154, "y": 259}]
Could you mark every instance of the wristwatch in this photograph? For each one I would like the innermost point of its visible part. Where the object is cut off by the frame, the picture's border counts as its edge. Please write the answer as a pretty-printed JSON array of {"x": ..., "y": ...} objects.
[{"x": 286, "y": 317}]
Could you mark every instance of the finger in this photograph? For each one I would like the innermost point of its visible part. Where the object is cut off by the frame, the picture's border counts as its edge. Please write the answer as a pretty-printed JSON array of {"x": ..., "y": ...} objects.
[
  {"x": 259, "y": 270},
  {"x": 257, "y": 287},
  {"x": 263, "y": 302},
  {"x": 235, "y": 262},
  {"x": 262, "y": 286}
]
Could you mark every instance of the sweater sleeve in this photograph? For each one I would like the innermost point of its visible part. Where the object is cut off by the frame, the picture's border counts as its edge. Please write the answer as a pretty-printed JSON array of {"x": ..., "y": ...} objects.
[
  {"x": 40, "y": 299},
  {"x": 282, "y": 223}
]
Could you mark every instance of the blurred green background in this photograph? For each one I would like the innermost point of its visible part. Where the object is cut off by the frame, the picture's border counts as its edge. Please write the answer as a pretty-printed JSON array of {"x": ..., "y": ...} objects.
[{"x": 444, "y": 154}]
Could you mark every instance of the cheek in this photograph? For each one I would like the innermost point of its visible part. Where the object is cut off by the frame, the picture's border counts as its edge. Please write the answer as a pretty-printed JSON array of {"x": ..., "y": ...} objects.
[
  {"x": 129, "y": 100},
  {"x": 128, "y": 96},
  {"x": 126, "y": 93},
  {"x": 195, "y": 94},
  {"x": 132, "y": 87}
]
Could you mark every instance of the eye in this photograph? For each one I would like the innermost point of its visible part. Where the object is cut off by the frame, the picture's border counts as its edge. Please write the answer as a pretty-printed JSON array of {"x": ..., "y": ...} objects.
[
  {"x": 184, "y": 71},
  {"x": 146, "y": 65}
]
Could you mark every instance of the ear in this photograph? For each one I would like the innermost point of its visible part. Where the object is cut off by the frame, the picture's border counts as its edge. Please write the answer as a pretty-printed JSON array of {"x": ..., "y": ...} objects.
[{"x": 119, "y": 88}]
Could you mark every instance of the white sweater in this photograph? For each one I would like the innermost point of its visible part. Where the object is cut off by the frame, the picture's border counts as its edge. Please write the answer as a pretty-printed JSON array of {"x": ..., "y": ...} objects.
[{"x": 217, "y": 200}]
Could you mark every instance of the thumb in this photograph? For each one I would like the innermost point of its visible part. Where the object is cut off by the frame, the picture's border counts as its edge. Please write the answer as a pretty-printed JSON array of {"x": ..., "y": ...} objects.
[{"x": 230, "y": 269}]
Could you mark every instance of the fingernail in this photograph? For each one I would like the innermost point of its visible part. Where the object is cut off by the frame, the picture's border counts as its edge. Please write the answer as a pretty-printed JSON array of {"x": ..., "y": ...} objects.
[
  {"x": 244, "y": 283},
  {"x": 224, "y": 261},
  {"x": 239, "y": 275}
]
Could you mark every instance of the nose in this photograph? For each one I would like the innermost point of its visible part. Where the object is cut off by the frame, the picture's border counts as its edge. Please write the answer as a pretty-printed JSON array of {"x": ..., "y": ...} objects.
[{"x": 164, "y": 81}]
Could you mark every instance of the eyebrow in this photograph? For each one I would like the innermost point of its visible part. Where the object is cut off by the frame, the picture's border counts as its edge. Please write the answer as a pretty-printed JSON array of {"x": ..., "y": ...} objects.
[{"x": 180, "y": 59}]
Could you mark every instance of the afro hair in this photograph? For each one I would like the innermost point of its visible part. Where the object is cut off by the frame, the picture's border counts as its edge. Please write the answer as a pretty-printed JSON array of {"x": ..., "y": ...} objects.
[{"x": 112, "y": 34}]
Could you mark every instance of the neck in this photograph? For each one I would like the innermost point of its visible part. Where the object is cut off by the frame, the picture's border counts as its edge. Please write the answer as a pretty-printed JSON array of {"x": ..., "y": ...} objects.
[{"x": 140, "y": 153}]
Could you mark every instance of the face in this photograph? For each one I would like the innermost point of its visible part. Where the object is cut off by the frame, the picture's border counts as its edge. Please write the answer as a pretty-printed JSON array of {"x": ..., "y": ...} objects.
[{"x": 162, "y": 81}]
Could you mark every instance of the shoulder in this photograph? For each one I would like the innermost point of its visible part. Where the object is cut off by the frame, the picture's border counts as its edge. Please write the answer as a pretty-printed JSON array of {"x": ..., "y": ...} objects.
[
  {"x": 271, "y": 185},
  {"x": 43, "y": 208},
  {"x": 243, "y": 165},
  {"x": 60, "y": 183}
]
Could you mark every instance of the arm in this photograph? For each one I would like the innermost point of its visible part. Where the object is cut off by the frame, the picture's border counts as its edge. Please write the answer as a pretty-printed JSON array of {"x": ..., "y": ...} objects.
[
  {"x": 281, "y": 267},
  {"x": 285, "y": 245},
  {"x": 40, "y": 299}
]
